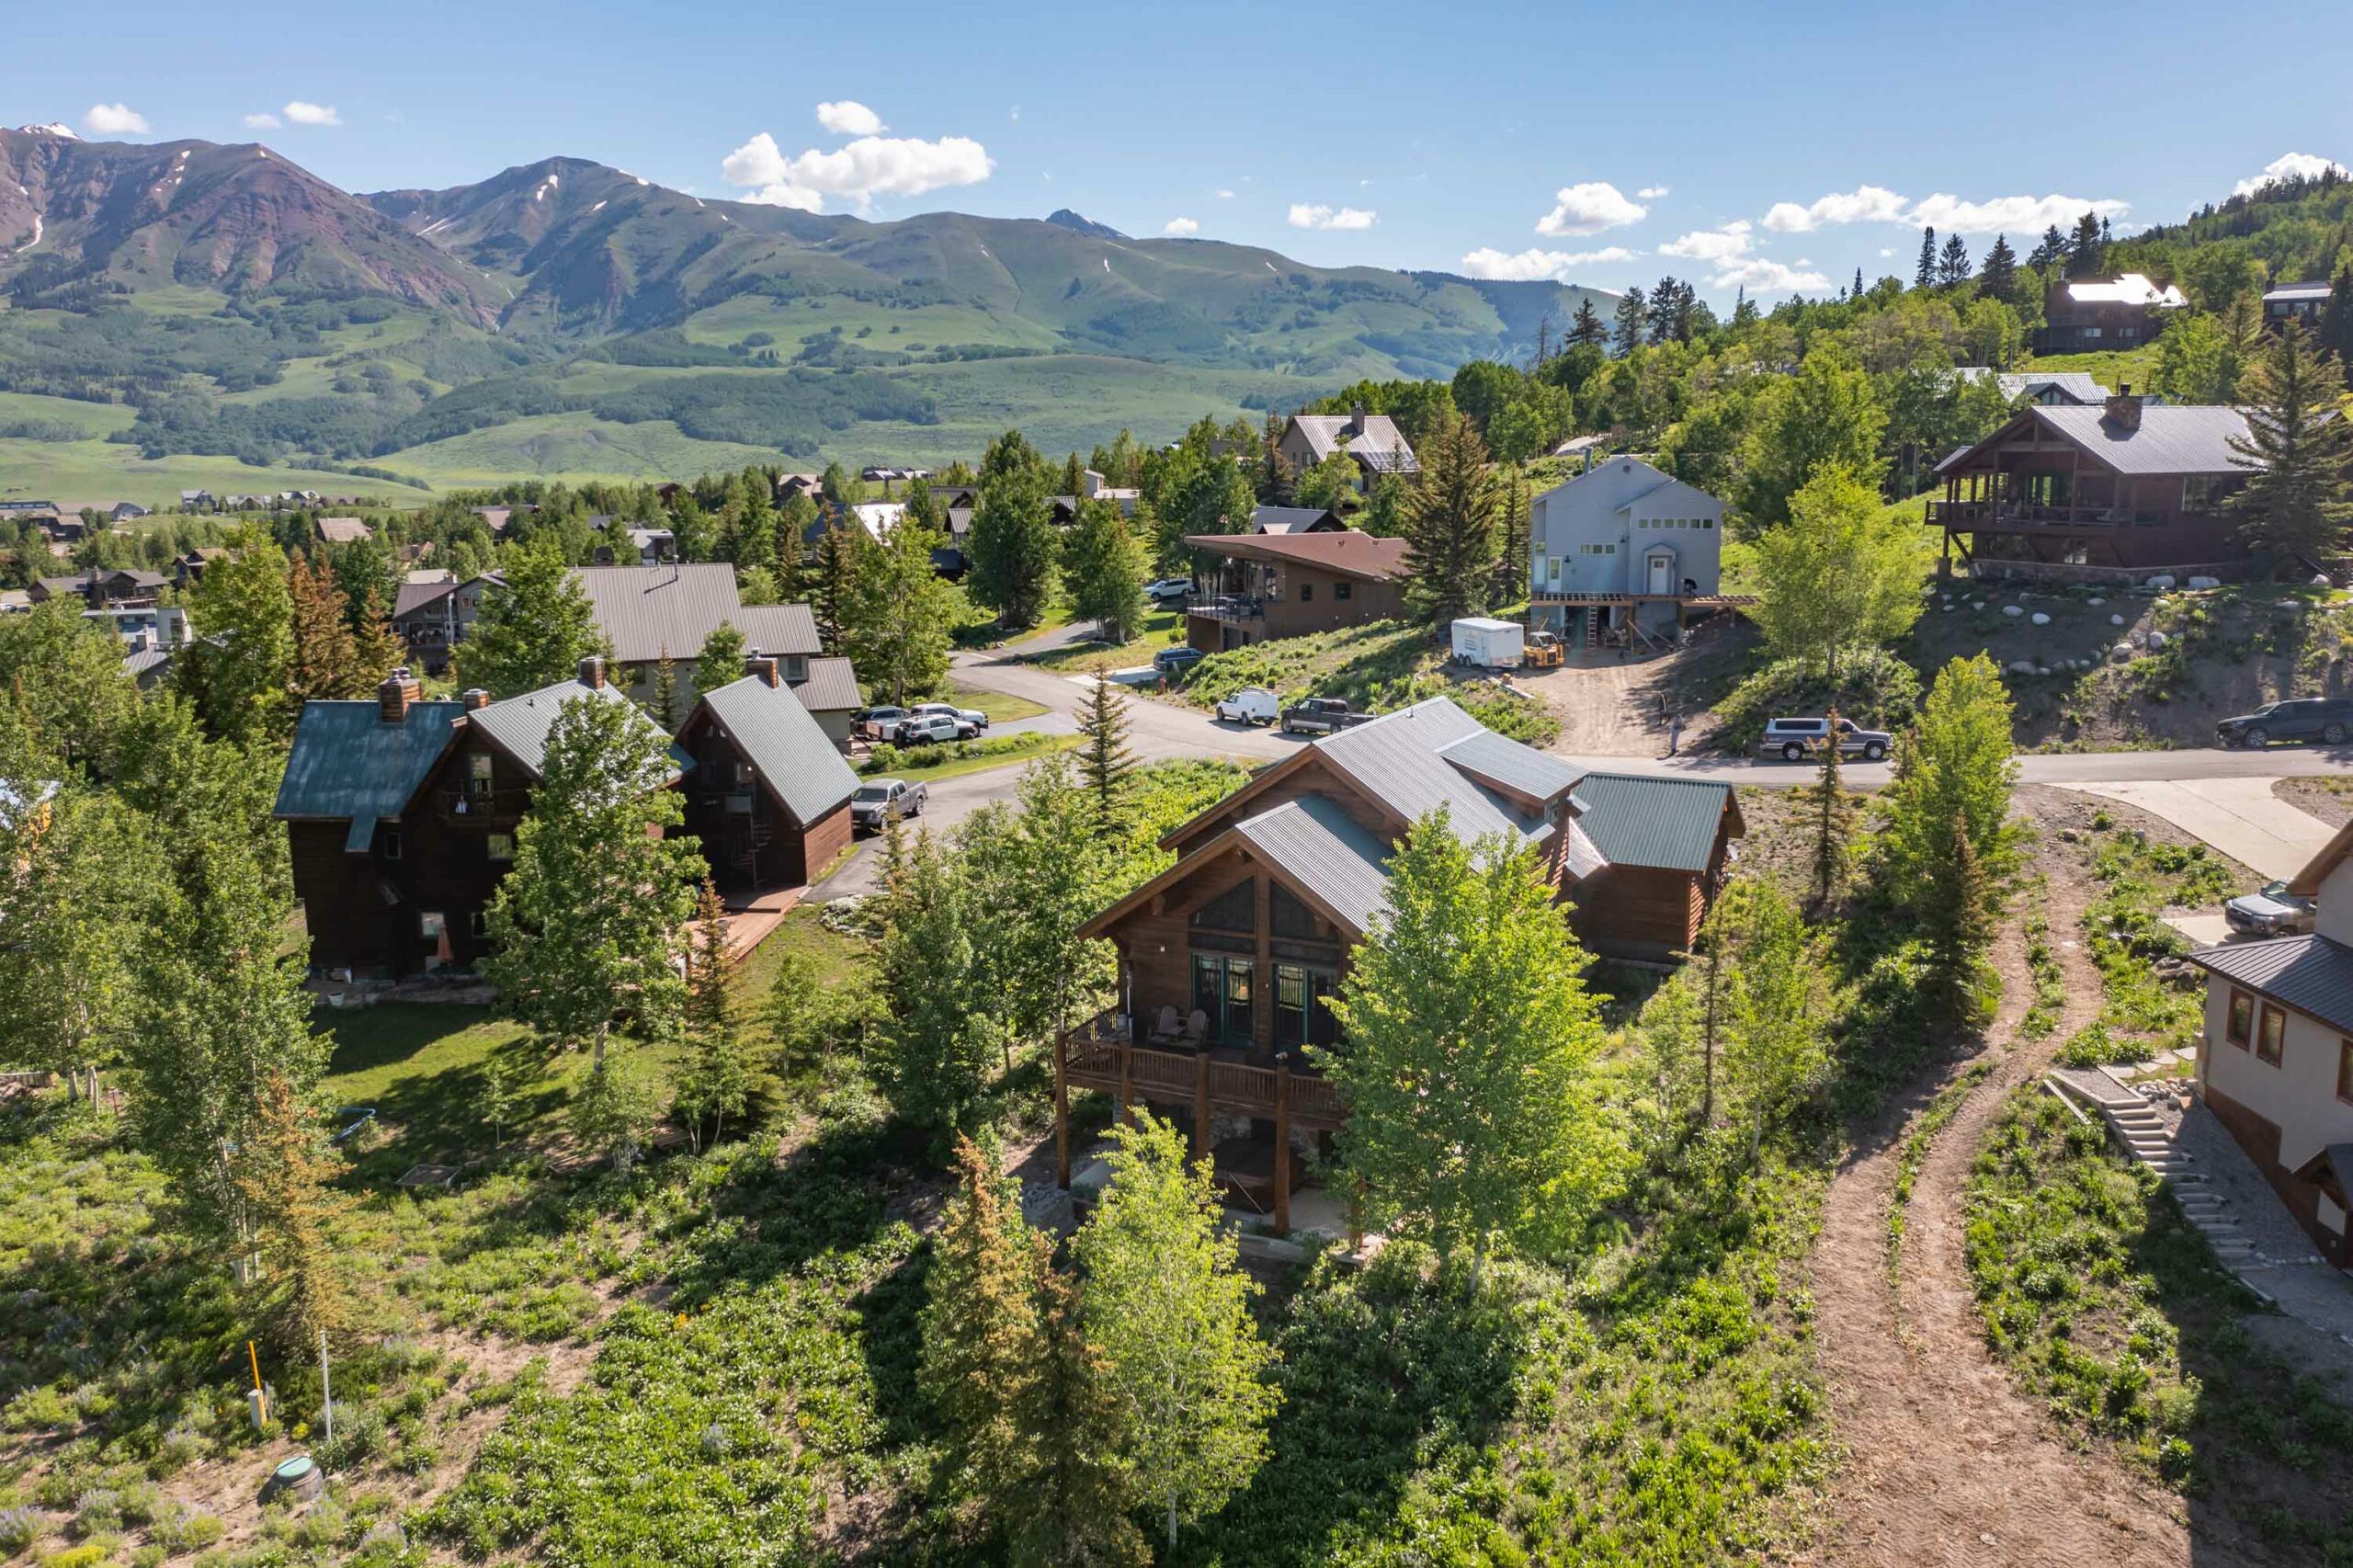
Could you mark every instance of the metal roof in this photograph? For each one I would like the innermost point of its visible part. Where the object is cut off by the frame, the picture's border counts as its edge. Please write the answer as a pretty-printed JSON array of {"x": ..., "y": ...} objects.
[
  {"x": 2312, "y": 975},
  {"x": 1292, "y": 519},
  {"x": 2317, "y": 289},
  {"x": 1345, "y": 552},
  {"x": 1326, "y": 851},
  {"x": 2185, "y": 439},
  {"x": 1668, "y": 823},
  {"x": 645, "y": 611},
  {"x": 414, "y": 597},
  {"x": 520, "y": 726},
  {"x": 2126, "y": 288},
  {"x": 1511, "y": 765},
  {"x": 1398, "y": 760},
  {"x": 832, "y": 685},
  {"x": 348, "y": 764},
  {"x": 1378, "y": 440},
  {"x": 793, "y": 758}
]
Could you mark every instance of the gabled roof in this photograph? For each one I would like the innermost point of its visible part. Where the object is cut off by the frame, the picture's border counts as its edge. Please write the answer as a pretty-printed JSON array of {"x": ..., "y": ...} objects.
[
  {"x": 1293, "y": 520},
  {"x": 831, "y": 687},
  {"x": 1324, "y": 849},
  {"x": 645, "y": 611},
  {"x": 793, "y": 758},
  {"x": 411, "y": 598},
  {"x": 1638, "y": 820},
  {"x": 519, "y": 726},
  {"x": 2312, "y": 975},
  {"x": 1346, "y": 552},
  {"x": 2316, "y": 869},
  {"x": 348, "y": 764},
  {"x": 2129, "y": 288},
  {"x": 344, "y": 530},
  {"x": 2078, "y": 385},
  {"x": 1400, "y": 759},
  {"x": 1509, "y": 764},
  {"x": 1379, "y": 444},
  {"x": 2317, "y": 289},
  {"x": 2172, "y": 438}
]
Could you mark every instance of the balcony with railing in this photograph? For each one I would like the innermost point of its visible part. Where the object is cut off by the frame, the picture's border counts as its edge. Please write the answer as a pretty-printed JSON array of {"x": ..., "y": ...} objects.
[
  {"x": 1234, "y": 608},
  {"x": 481, "y": 806},
  {"x": 1102, "y": 1054},
  {"x": 2005, "y": 515}
]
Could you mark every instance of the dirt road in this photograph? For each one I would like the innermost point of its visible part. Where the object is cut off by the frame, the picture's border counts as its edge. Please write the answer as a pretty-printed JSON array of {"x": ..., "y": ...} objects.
[{"x": 1946, "y": 1461}]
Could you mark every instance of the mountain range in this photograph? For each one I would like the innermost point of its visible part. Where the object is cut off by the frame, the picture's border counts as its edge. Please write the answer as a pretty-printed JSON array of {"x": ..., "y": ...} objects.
[{"x": 567, "y": 317}]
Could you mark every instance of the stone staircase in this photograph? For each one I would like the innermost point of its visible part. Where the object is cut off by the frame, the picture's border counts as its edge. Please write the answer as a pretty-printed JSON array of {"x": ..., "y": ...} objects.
[{"x": 2136, "y": 1124}]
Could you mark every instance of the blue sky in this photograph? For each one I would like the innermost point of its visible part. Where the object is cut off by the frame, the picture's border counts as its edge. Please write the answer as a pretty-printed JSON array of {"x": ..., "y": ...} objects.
[{"x": 1512, "y": 140}]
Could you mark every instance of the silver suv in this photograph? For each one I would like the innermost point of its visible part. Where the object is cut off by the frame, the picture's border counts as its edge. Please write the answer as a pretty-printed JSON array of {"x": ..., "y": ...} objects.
[{"x": 1794, "y": 740}]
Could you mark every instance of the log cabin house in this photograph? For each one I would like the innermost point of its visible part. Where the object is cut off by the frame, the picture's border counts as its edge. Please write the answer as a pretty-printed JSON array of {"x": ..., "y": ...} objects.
[
  {"x": 2114, "y": 493},
  {"x": 768, "y": 793},
  {"x": 1226, "y": 959}
]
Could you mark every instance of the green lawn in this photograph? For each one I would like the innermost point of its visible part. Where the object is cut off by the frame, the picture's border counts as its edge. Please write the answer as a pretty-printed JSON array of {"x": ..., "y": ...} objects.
[
  {"x": 1015, "y": 749},
  {"x": 1162, "y": 628},
  {"x": 1001, "y": 707}
]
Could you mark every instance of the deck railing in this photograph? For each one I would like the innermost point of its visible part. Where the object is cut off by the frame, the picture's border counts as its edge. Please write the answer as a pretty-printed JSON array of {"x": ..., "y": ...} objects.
[
  {"x": 1102, "y": 1054},
  {"x": 1229, "y": 606},
  {"x": 1968, "y": 515}
]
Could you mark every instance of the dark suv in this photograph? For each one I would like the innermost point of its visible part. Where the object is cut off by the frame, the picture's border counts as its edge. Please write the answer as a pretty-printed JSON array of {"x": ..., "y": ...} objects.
[{"x": 2325, "y": 719}]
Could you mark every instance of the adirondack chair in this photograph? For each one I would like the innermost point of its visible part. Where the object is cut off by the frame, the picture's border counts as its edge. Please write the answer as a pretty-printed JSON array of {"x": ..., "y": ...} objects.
[
  {"x": 1197, "y": 1028},
  {"x": 1164, "y": 1031}
]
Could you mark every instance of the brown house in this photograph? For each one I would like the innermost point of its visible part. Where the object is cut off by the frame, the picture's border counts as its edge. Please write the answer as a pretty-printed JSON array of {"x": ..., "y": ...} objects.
[
  {"x": 1227, "y": 959},
  {"x": 401, "y": 817},
  {"x": 2094, "y": 315},
  {"x": 769, "y": 792},
  {"x": 1372, "y": 442},
  {"x": 1268, "y": 585},
  {"x": 2116, "y": 491}
]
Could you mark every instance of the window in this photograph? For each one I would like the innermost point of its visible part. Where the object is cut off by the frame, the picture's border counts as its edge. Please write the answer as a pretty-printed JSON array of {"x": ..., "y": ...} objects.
[
  {"x": 1222, "y": 990},
  {"x": 1236, "y": 909},
  {"x": 1306, "y": 593},
  {"x": 2345, "y": 1071},
  {"x": 1340, "y": 590},
  {"x": 478, "y": 767},
  {"x": 2272, "y": 1034},
  {"x": 501, "y": 846},
  {"x": 1552, "y": 568},
  {"x": 1291, "y": 918},
  {"x": 477, "y": 924},
  {"x": 1707, "y": 522},
  {"x": 391, "y": 841},
  {"x": 2238, "y": 1026},
  {"x": 1302, "y": 1016}
]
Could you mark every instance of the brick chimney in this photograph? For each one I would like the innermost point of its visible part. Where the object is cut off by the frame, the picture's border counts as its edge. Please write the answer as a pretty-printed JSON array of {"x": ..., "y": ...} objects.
[
  {"x": 392, "y": 697},
  {"x": 474, "y": 696},
  {"x": 591, "y": 672},
  {"x": 760, "y": 666},
  {"x": 1355, "y": 420},
  {"x": 2123, "y": 409}
]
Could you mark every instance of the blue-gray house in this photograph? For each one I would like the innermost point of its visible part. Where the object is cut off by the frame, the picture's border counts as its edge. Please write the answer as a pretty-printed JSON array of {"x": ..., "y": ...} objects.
[{"x": 1623, "y": 545}]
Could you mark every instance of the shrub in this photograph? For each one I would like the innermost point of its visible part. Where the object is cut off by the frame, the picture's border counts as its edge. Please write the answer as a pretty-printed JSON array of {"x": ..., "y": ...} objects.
[
  {"x": 187, "y": 1528},
  {"x": 1876, "y": 689},
  {"x": 19, "y": 1527}
]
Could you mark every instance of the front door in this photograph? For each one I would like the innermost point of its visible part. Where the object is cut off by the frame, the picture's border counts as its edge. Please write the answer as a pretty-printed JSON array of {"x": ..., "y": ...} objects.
[{"x": 1661, "y": 573}]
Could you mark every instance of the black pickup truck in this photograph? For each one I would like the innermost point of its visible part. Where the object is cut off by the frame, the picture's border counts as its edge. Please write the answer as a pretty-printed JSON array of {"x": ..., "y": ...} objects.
[{"x": 1310, "y": 715}]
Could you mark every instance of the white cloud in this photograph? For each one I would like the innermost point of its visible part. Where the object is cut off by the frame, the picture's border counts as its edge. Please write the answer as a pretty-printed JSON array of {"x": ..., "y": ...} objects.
[
  {"x": 1651, "y": 192},
  {"x": 2012, "y": 214},
  {"x": 1864, "y": 204},
  {"x": 1180, "y": 227},
  {"x": 299, "y": 113},
  {"x": 1530, "y": 265},
  {"x": 1305, "y": 215},
  {"x": 115, "y": 120},
  {"x": 1588, "y": 208},
  {"x": 1225, "y": 196},
  {"x": 849, "y": 118},
  {"x": 1017, "y": 112},
  {"x": 1768, "y": 276},
  {"x": 2287, "y": 165},
  {"x": 262, "y": 122},
  {"x": 1884, "y": 253},
  {"x": 857, "y": 171},
  {"x": 1723, "y": 245}
]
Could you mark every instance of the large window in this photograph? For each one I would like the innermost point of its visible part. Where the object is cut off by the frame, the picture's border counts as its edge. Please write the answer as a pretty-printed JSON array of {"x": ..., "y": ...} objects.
[
  {"x": 1301, "y": 1013},
  {"x": 1222, "y": 989},
  {"x": 1235, "y": 909},
  {"x": 2271, "y": 1037},
  {"x": 2239, "y": 1027}
]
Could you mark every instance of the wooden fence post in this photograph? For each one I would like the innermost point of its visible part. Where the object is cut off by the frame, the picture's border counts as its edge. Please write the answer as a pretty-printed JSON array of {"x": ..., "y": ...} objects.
[
  {"x": 1127, "y": 1082},
  {"x": 1282, "y": 1144},
  {"x": 1201, "y": 1106}
]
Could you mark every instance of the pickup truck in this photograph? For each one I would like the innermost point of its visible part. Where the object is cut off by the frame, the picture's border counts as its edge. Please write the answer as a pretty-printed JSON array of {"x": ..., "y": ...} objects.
[
  {"x": 880, "y": 800},
  {"x": 1327, "y": 715}
]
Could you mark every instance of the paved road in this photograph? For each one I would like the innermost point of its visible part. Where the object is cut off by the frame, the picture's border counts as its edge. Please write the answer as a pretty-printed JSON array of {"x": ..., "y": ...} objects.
[{"x": 2239, "y": 816}]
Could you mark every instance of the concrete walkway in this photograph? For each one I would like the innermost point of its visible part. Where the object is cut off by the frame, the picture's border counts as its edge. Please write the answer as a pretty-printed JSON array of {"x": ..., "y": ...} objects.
[{"x": 2241, "y": 817}]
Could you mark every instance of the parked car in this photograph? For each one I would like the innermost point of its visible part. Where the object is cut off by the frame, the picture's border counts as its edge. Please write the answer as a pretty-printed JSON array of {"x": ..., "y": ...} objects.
[
  {"x": 1794, "y": 740},
  {"x": 879, "y": 800},
  {"x": 972, "y": 716},
  {"x": 1169, "y": 591},
  {"x": 878, "y": 723},
  {"x": 1251, "y": 705},
  {"x": 2273, "y": 912},
  {"x": 932, "y": 730},
  {"x": 1177, "y": 660},
  {"x": 2328, "y": 719},
  {"x": 1327, "y": 714}
]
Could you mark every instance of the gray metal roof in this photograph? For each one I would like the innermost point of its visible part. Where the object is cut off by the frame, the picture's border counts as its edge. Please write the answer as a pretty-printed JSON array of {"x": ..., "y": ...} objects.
[
  {"x": 831, "y": 686},
  {"x": 793, "y": 758},
  {"x": 1537, "y": 774},
  {"x": 2311, "y": 289},
  {"x": 645, "y": 611},
  {"x": 414, "y": 597},
  {"x": 1379, "y": 443},
  {"x": 1324, "y": 849},
  {"x": 348, "y": 764},
  {"x": 520, "y": 726},
  {"x": 1582, "y": 856},
  {"x": 1641, "y": 821},
  {"x": 2312, "y": 975},
  {"x": 1290, "y": 519},
  {"x": 2172, "y": 438},
  {"x": 1398, "y": 760}
]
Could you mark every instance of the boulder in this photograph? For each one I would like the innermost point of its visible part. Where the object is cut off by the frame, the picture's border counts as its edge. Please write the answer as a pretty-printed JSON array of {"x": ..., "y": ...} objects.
[
  {"x": 2013, "y": 610},
  {"x": 2096, "y": 599},
  {"x": 2040, "y": 618},
  {"x": 2291, "y": 604},
  {"x": 2158, "y": 638},
  {"x": 2043, "y": 669},
  {"x": 2021, "y": 666},
  {"x": 2120, "y": 652},
  {"x": 2162, "y": 580},
  {"x": 2116, "y": 620},
  {"x": 2201, "y": 582},
  {"x": 1977, "y": 604}
]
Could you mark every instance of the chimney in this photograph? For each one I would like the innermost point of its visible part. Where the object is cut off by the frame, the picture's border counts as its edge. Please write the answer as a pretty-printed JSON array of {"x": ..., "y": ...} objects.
[
  {"x": 474, "y": 696},
  {"x": 759, "y": 666},
  {"x": 1355, "y": 420},
  {"x": 2123, "y": 410},
  {"x": 591, "y": 672},
  {"x": 394, "y": 697}
]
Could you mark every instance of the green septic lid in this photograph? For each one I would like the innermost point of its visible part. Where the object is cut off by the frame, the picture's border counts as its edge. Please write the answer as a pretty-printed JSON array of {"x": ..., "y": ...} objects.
[{"x": 295, "y": 1468}]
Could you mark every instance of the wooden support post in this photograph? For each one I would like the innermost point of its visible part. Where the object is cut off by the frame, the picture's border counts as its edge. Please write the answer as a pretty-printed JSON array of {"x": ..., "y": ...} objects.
[
  {"x": 1127, "y": 1083},
  {"x": 1201, "y": 1106},
  {"x": 1356, "y": 1215},
  {"x": 1062, "y": 1112},
  {"x": 1282, "y": 1144}
]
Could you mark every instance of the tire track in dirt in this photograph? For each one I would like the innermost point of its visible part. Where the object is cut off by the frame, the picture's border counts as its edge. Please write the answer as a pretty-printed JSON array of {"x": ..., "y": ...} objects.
[{"x": 1946, "y": 1461}]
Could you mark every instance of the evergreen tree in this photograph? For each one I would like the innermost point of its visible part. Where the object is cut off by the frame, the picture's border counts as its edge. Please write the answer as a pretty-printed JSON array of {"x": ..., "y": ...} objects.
[
  {"x": 2086, "y": 253},
  {"x": 2335, "y": 336},
  {"x": 585, "y": 926},
  {"x": 1999, "y": 274},
  {"x": 1511, "y": 564},
  {"x": 938, "y": 1045},
  {"x": 1950, "y": 849},
  {"x": 1105, "y": 762},
  {"x": 2050, "y": 251},
  {"x": 832, "y": 583},
  {"x": 663, "y": 706},
  {"x": 1451, "y": 543},
  {"x": 375, "y": 645},
  {"x": 1012, "y": 549},
  {"x": 1105, "y": 568},
  {"x": 834, "y": 485},
  {"x": 1469, "y": 1068},
  {"x": 534, "y": 629},
  {"x": 1925, "y": 277},
  {"x": 898, "y": 633},
  {"x": 721, "y": 662},
  {"x": 1952, "y": 263},
  {"x": 326, "y": 662},
  {"x": 1857, "y": 292},
  {"x": 1666, "y": 307},
  {"x": 1834, "y": 825},
  {"x": 1633, "y": 311},
  {"x": 284, "y": 1176},
  {"x": 2297, "y": 448},
  {"x": 1585, "y": 328},
  {"x": 1075, "y": 1512},
  {"x": 1166, "y": 1302},
  {"x": 718, "y": 1080}
]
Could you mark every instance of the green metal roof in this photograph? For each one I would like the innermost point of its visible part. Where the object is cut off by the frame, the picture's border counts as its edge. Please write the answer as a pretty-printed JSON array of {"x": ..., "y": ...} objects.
[
  {"x": 1666, "y": 823},
  {"x": 347, "y": 764}
]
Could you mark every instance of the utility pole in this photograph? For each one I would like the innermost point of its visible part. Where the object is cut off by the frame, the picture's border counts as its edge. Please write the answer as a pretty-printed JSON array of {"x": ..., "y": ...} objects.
[{"x": 326, "y": 1394}]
